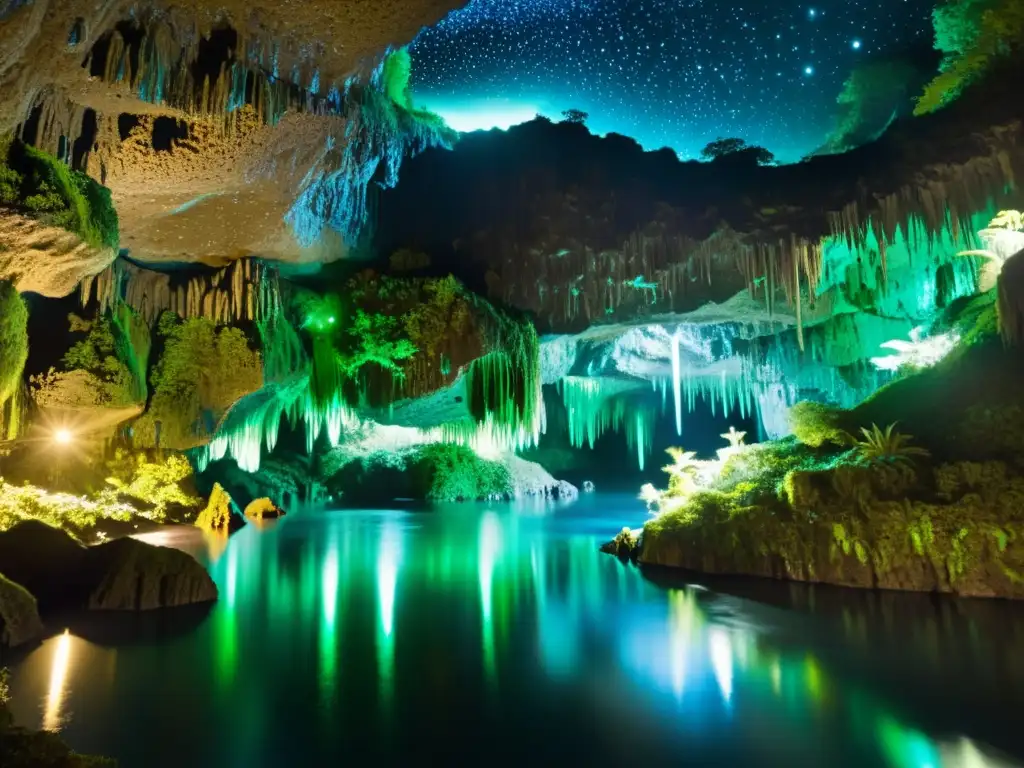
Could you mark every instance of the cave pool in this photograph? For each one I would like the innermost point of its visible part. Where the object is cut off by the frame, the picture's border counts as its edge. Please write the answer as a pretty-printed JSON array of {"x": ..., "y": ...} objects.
[{"x": 498, "y": 634}]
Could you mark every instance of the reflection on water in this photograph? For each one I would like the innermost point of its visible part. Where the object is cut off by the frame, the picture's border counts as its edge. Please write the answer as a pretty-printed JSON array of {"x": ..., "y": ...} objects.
[{"x": 491, "y": 633}]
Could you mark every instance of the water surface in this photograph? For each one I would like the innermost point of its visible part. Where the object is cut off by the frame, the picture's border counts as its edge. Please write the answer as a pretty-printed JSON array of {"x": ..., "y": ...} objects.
[{"x": 499, "y": 635}]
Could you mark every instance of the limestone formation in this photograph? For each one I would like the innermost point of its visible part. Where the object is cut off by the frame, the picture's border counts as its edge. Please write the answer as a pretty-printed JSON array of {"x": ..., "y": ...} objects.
[
  {"x": 19, "y": 615},
  {"x": 220, "y": 516}
]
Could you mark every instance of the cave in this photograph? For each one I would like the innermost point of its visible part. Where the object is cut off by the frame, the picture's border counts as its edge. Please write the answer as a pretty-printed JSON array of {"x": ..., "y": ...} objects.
[{"x": 475, "y": 381}]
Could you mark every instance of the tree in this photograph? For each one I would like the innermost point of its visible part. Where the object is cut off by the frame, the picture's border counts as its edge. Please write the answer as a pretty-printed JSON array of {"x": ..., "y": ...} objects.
[
  {"x": 737, "y": 151},
  {"x": 575, "y": 116},
  {"x": 971, "y": 34}
]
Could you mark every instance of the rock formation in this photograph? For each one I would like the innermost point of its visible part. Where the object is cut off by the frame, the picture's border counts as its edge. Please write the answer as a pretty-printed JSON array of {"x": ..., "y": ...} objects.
[
  {"x": 19, "y": 615},
  {"x": 124, "y": 574}
]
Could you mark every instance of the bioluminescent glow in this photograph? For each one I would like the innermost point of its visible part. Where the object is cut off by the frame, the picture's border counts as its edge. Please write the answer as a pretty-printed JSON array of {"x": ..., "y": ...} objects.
[
  {"x": 328, "y": 636},
  {"x": 57, "y": 691},
  {"x": 919, "y": 352},
  {"x": 676, "y": 74}
]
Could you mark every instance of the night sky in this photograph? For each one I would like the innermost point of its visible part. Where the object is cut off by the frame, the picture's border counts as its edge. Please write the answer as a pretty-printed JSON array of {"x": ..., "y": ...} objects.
[{"x": 675, "y": 73}]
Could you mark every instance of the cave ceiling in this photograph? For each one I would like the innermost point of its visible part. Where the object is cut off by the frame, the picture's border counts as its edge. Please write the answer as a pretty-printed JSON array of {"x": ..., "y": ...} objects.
[{"x": 112, "y": 70}]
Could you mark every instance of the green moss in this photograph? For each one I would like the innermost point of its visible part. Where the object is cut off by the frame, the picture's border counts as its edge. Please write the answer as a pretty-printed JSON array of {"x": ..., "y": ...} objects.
[
  {"x": 816, "y": 424},
  {"x": 455, "y": 473},
  {"x": 13, "y": 340},
  {"x": 42, "y": 186},
  {"x": 201, "y": 371}
]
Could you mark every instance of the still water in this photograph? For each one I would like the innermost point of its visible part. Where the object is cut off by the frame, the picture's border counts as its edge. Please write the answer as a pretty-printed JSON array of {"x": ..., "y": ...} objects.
[{"x": 499, "y": 635}]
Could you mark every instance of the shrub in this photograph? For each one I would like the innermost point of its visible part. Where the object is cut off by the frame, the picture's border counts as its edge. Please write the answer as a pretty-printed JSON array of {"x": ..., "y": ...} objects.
[
  {"x": 451, "y": 472},
  {"x": 816, "y": 424},
  {"x": 887, "y": 446}
]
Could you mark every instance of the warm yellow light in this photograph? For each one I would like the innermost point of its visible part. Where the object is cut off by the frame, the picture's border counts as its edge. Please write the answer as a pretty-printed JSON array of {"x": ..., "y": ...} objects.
[
  {"x": 62, "y": 436},
  {"x": 52, "y": 714}
]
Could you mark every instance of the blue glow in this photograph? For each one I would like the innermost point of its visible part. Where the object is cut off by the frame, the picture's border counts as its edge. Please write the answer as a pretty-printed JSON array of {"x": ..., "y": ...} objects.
[
  {"x": 482, "y": 115},
  {"x": 667, "y": 73}
]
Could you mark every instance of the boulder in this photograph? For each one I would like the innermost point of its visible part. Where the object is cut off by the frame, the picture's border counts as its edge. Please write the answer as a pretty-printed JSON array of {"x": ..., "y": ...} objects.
[
  {"x": 263, "y": 509},
  {"x": 624, "y": 546},
  {"x": 44, "y": 560},
  {"x": 19, "y": 615},
  {"x": 123, "y": 574},
  {"x": 130, "y": 575},
  {"x": 220, "y": 515}
]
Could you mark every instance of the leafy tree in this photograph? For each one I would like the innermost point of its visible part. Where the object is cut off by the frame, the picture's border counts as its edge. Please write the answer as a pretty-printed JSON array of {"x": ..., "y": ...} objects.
[
  {"x": 737, "y": 151},
  {"x": 971, "y": 34},
  {"x": 575, "y": 116},
  {"x": 202, "y": 372},
  {"x": 876, "y": 93}
]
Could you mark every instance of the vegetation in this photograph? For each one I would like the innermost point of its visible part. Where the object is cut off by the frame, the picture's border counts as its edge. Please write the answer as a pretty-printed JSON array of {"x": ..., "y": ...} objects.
[
  {"x": 159, "y": 486},
  {"x": 448, "y": 472},
  {"x": 42, "y": 186},
  {"x": 887, "y": 446},
  {"x": 737, "y": 152},
  {"x": 202, "y": 371},
  {"x": 395, "y": 76},
  {"x": 972, "y": 35},
  {"x": 76, "y": 514},
  {"x": 13, "y": 340},
  {"x": 105, "y": 368},
  {"x": 816, "y": 424},
  {"x": 22, "y": 748},
  {"x": 575, "y": 116}
]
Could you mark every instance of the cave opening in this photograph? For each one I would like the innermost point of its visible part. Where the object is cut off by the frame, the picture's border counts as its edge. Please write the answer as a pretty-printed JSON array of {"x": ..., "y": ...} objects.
[{"x": 167, "y": 131}]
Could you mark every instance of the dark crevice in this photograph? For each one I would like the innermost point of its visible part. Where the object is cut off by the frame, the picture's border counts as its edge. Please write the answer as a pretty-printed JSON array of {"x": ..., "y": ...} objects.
[
  {"x": 126, "y": 123},
  {"x": 166, "y": 131}
]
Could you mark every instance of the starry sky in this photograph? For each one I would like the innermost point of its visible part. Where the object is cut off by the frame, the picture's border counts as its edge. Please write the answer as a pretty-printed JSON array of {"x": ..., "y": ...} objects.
[{"x": 676, "y": 73}]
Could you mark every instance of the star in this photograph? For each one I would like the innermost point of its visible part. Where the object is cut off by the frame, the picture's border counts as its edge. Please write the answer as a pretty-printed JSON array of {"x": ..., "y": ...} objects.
[
  {"x": 735, "y": 438},
  {"x": 855, "y": 45}
]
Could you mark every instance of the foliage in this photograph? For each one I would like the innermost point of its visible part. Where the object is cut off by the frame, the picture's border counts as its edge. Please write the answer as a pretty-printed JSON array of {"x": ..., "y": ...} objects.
[
  {"x": 451, "y": 472},
  {"x": 159, "y": 485},
  {"x": 737, "y": 151},
  {"x": 202, "y": 372},
  {"x": 876, "y": 93},
  {"x": 75, "y": 514},
  {"x": 106, "y": 368},
  {"x": 971, "y": 34},
  {"x": 43, "y": 186},
  {"x": 816, "y": 424},
  {"x": 13, "y": 340},
  {"x": 887, "y": 446},
  {"x": 374, "y": 341},
  {"x": 575, "y": 116}
]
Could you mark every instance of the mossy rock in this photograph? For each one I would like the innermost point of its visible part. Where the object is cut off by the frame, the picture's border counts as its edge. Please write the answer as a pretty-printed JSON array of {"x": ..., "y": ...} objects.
[
  {"x": 38, "y": 184},
  {"x": 262, "y": 509},
  {"x": 130, "y": 575},
  {"x": 19, "y": 615}
]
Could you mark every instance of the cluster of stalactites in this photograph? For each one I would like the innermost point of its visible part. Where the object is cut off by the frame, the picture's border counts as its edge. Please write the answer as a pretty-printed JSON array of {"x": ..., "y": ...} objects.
[
  {"x": 595, "y": 406},
  {"x": 246, "y": 290},
  {"x": 367, "y": 146},
  {"x": 164, "y": 74}
]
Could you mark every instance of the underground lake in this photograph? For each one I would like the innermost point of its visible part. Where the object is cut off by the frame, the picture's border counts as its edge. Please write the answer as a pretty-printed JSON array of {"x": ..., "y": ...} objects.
[{"x": 496, "y": 634}]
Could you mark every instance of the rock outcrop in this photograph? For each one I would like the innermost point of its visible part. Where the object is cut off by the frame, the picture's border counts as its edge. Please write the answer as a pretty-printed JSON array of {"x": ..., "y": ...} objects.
[
  {"x": 129, "y": 575},
  {"x": 19, "y": 615},
  {"x": 124, "y": 574},
  {"x": 932, "y": 499},
  {"x": 263, "y": 509},
  {"x": 220, "y": 515}
]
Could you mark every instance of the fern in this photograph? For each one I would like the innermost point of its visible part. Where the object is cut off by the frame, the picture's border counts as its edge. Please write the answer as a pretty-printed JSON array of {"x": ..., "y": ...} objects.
[{"x": 887, "y": 446}]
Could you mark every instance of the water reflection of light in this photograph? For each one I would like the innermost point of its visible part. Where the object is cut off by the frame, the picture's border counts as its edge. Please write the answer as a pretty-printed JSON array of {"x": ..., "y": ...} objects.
[
  {"x": 58, "y": 679},
  {"x": 328, "y": 637},
  {"x": 721, "y": 660},
  {"x": 682, "y": 611},
  {"x": 488, "y": 548},
  {"x": 388, "y": 555},
  {"x": 906, "y": 748},
  {"x": 232, "y": 577}
]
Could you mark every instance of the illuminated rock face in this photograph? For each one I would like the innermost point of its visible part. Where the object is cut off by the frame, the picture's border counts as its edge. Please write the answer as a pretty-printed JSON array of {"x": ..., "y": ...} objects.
[{"x": 224, "y": 130}]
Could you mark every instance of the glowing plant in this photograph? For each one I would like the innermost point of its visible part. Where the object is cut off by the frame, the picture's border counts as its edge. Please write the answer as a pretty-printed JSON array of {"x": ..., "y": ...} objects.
[
  {"x": 1004, "y": 238},
  {"x": 156, "y": 483},
  {"x": 887, "y": 446},
  {"x": 650, "y": 496},
  {"x": 13, "y": 339},
  {"x": 918, "y": 352}
]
